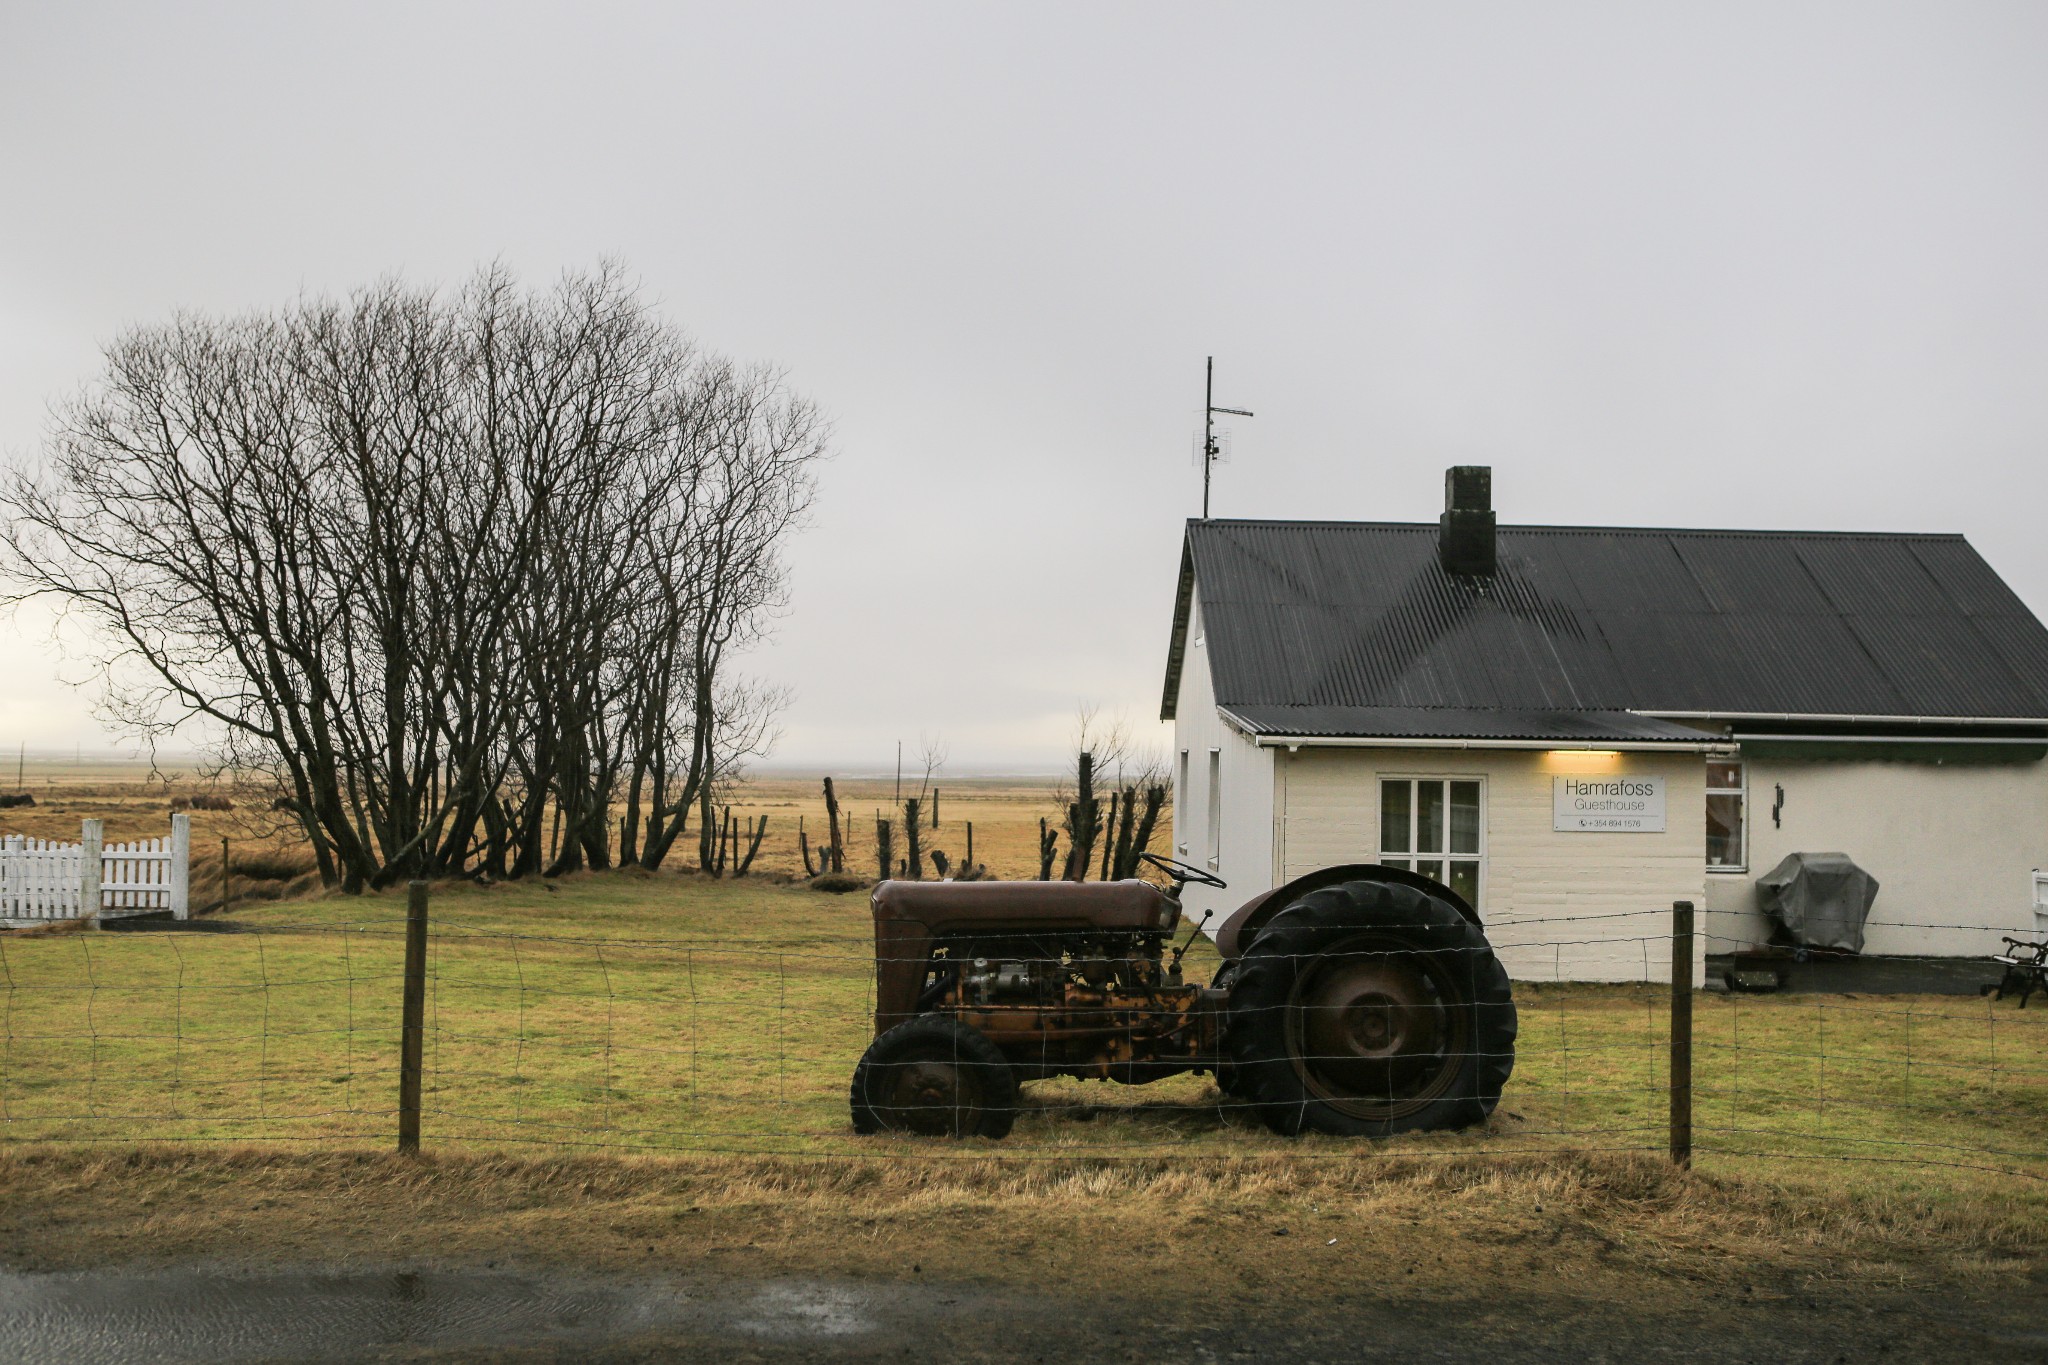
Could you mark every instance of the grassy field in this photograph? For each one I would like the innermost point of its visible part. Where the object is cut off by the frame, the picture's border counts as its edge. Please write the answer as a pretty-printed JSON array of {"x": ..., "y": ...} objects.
[
  {"x": 674, "y": 1013},
  {"x": 648, "y": 1074}
]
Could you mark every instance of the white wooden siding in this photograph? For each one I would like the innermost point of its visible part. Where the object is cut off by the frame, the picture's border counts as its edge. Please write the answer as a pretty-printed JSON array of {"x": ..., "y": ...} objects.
[
  {"x": 1244, "y": 851},
  {"x": 1952, "y": 845},
  {"x": 1557, "y": 906}
]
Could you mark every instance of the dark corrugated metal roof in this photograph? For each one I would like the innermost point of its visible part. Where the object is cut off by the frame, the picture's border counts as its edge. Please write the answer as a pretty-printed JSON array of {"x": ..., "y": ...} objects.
[
  {"x": 1588, "y": 619},
  {"x": 1423, "y": 722}
]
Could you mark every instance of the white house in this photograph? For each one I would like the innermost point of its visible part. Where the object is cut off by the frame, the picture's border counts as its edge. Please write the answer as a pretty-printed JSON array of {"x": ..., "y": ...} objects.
[{"x": 1577, "y": 726}]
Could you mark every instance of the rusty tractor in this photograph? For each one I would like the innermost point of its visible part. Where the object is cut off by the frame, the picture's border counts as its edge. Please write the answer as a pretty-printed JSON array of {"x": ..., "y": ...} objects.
[{"x": 1359, "y": 1000}]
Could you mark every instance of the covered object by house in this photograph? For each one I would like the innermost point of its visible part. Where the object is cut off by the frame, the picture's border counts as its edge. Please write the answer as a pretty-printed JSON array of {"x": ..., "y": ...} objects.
[{"x": 1577, "y": 726}]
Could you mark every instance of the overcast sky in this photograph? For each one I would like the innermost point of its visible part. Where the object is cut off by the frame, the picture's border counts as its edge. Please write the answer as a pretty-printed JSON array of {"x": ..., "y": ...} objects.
[{"x": 1721, "y": 265}]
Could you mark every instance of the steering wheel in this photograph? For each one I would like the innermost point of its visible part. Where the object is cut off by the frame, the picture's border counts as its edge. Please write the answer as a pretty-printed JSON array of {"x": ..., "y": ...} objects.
[{"x": 1185, "y": 872}]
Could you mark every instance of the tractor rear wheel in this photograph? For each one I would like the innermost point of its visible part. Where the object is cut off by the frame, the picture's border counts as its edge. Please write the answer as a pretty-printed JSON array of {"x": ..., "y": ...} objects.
[
  {"x": 935, "y": 1076},
  {"x": 1367, "y": 1009}
]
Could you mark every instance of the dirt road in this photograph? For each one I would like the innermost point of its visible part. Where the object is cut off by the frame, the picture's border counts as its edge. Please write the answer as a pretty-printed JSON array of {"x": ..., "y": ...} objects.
[{"x": 218, "y": 1314}]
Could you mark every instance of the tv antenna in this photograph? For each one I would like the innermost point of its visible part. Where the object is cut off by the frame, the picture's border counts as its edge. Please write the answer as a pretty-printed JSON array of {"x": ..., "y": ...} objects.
[{"x": 1211, "y": 449}]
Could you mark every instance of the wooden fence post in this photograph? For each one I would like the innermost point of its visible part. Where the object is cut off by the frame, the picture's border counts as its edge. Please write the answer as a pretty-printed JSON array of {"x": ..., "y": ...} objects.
[
  {"x": 1681, "y": 1033},
  {"x": 91, "y": 853},
  {"x": 223, "y": 874},
  {"x": 911, "y": 824},
  {"x": 181, "y": 867},
  {"x": 837, "y": 862},
  {"x": 412, "y": 1038}
]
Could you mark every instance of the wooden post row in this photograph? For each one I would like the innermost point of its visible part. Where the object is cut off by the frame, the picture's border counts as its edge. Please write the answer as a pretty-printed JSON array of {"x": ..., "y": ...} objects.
[
  {"x": 412, "y": 1032},
  {"x": 1681, "y": 1033}
]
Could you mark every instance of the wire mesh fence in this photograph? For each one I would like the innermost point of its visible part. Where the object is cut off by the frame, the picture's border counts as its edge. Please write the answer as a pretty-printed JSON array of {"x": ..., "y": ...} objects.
[{"x": 746, "y": 1043}]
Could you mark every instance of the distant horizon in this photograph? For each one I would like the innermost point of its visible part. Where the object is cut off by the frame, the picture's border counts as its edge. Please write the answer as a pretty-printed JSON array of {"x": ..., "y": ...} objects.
[{"x": 137, "y": 755}]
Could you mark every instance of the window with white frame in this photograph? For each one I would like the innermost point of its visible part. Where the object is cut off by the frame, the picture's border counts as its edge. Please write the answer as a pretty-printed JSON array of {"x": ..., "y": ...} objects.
[
  {"x": 1215, "y": 806},
  {"x": 1435, "y": 826},
  {"x": 1727, "y": 822},
  {"x": 1181, "y": 813}
]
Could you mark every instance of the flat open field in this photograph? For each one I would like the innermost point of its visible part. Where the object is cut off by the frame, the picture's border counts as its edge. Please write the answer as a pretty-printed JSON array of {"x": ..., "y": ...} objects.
[{"x": 997, "y": 817}]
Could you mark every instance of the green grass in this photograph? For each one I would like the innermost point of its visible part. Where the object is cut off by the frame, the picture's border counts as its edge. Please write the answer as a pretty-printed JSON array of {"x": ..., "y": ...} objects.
[{"x": 674, "y": 1014}]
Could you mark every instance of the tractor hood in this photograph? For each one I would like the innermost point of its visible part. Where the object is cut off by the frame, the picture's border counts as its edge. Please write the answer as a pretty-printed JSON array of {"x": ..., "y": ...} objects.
[
  {"x": 911, "y": 916},
  {"x": 1126, "y": 906}
]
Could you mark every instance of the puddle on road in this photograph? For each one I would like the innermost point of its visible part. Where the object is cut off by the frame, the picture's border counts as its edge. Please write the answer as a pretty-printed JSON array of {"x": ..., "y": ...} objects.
[
  {"x": 184, "y": 1315},
  {"x": 805, "y": 1310}
]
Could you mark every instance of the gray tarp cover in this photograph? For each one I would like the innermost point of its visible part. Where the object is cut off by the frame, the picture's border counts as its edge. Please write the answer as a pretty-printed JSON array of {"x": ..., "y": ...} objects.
[{"x": 1820, "y": 899}]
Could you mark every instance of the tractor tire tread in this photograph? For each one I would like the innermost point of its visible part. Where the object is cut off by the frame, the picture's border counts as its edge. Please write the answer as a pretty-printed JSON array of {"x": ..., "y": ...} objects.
[
  {"x": 965, "y": 1042},
  {"x": 1266, "y": 973}
]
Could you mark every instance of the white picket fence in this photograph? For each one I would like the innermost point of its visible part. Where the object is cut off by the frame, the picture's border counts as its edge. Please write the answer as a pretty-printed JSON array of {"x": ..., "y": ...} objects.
[{"x": 41, "y": 880}]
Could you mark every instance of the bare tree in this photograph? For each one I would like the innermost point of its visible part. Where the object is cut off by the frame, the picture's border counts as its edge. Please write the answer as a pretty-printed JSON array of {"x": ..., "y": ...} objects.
[
  {"x": 458, "y": 570},
  {"x": 932, "y": 752}
]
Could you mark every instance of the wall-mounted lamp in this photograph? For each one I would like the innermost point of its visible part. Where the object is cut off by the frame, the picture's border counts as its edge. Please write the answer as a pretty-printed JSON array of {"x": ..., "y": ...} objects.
[{"x": 1581, "y": 760}]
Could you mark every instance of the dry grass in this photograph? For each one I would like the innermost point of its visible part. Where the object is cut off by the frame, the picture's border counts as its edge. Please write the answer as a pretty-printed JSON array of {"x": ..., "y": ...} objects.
[
  {"x": 1559, "y": 1222},
  {"x": 267, "y": 846},
  {"x": 1003, "y": 811},
  {"x": 272, "y": 864}
]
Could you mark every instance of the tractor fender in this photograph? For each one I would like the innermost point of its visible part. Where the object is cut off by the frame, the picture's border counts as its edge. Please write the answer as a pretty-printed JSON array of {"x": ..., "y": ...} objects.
[{"x": 1237, "y": 932}]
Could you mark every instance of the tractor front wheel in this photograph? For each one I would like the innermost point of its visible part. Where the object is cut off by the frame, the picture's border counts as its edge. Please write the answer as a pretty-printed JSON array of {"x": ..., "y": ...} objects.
[
  {"x": 937, "y": 1077},
  {"x": 1368, "y": 1009}
]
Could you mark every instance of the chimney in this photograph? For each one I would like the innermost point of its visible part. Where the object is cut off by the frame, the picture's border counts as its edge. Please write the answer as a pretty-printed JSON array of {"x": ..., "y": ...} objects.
[{"x": 1464, "y": 541}]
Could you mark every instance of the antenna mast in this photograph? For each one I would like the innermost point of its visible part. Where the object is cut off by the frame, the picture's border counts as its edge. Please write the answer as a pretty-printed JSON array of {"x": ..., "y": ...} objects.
[{"x": 1209, "y": 448}]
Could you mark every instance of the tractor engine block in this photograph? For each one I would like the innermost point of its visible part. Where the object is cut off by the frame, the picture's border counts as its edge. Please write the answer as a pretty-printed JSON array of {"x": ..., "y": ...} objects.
[
  {"x": 986, "y": 982},
  {"x": 1104, "y": 1006}
]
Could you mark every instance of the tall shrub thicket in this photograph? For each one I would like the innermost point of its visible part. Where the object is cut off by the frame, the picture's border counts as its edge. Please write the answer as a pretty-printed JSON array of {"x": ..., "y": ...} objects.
[{"x": 465, "y": 571}]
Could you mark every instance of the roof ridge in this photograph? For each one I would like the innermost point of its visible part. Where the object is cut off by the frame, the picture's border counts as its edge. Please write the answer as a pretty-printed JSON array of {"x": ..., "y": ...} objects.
[{"x": 1284, "y": 523}]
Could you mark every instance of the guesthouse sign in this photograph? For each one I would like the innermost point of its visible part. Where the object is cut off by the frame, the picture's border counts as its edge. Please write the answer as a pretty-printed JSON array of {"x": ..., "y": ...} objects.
[{"x": 1618, "y": 804}]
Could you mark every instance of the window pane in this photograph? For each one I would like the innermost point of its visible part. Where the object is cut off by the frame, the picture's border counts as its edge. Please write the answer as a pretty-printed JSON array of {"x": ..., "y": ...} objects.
[
  {"x": 1429, "y": 817},
  {"x": 1464, "y": 817},
  {"x": 1432, "y": 868},
  {"x": 1724, "y": 831},
  {"x": 1401, "y": 863},
  {"x": 1723, "y": 775},
  {"x": 1394, "y": 816},
  {"x": 1215, "y": 806},
  {"x": 1465, "y": 880}
]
